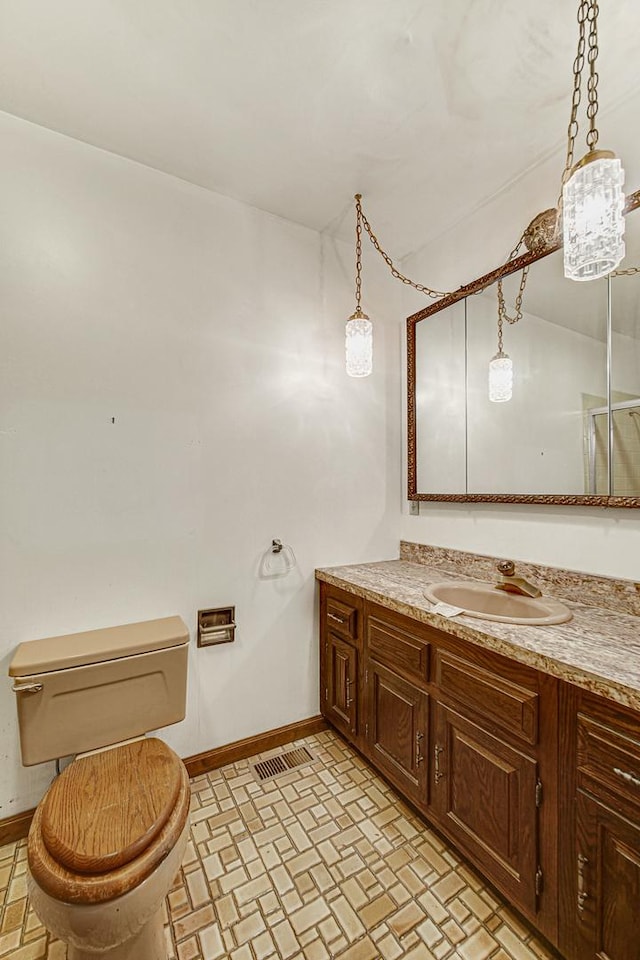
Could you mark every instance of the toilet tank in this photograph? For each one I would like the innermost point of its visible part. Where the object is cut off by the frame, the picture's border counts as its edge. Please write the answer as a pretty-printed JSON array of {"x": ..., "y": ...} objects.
[{"x": 87, "y": 690}]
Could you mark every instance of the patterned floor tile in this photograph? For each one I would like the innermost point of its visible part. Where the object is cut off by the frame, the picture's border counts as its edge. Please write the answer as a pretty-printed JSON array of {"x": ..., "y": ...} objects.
[{"x": 323, "y": 862}]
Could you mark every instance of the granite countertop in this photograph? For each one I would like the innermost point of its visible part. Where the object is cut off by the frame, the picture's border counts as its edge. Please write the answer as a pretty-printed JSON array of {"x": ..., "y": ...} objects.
[{"x": 599, "y": 649}]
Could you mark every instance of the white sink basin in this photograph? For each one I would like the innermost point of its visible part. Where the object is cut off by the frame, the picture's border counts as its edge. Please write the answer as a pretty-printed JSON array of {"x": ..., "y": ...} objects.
[{"x": 482, "y": 600}]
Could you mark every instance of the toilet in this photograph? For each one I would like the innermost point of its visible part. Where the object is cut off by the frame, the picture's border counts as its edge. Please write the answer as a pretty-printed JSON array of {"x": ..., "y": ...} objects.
[{"x": 108, "y": 838}]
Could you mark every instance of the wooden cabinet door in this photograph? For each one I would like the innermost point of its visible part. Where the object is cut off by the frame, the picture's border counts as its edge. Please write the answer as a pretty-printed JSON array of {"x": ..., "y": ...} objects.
[
  {"x": 484, "y": 795},
  {"x": 397, "y": 730},
  {"x": 607, "y": 883},
  {"x": 341, "y": 679}
]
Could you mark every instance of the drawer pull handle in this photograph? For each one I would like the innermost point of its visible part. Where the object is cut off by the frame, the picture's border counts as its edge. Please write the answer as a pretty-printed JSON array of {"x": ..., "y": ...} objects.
[
  {"x": 419, "y": 757},
  {"x": 628, "y": 777},
  {"x": 349, "y": 698},
  {"x": 332, "y": 616},
  {"x": 436, "y": 758},
  {"x": 582, "y": 885}
]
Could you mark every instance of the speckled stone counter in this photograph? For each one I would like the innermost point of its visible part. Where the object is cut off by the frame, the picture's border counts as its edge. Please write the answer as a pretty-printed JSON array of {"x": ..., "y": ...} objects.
[{"x": 599, "y": 649}]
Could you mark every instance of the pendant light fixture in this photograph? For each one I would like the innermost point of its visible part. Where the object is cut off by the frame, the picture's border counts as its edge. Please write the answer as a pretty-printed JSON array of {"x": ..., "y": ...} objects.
[
  {"x": 359, "y": 329},
  {"x": 500, "y": 376},
  {"x": 592, "y": 197},
  {"x": 501, "y": 365},
  {"x": 590, "y": 208}
]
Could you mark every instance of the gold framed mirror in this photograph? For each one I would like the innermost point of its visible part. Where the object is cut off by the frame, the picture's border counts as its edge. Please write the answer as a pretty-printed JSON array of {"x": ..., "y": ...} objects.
[{"x": 570, "y": 435}]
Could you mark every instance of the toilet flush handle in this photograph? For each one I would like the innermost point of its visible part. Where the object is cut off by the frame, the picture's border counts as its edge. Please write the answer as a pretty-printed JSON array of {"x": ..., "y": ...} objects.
[{"x": 31, "y": 687}]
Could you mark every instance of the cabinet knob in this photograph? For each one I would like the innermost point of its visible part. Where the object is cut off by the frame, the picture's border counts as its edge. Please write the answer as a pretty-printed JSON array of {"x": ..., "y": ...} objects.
[
  {"x": 438, "y": 775},
  {"x": 419, "y": 739}
]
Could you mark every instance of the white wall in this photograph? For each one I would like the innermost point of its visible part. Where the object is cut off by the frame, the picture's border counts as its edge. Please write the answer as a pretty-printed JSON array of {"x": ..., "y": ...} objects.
[
  {"x": 594, "y": 540},
  {"x": 213, "y": 335}
]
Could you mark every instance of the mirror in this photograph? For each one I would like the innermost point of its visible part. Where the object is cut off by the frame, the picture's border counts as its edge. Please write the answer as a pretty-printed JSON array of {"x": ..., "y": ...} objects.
[
  {"x": 625, "y": 374},
  {"x": 570, "y": 434},
  {"x": 559, "y": 355},
  {"x": 441, "y": 386}
]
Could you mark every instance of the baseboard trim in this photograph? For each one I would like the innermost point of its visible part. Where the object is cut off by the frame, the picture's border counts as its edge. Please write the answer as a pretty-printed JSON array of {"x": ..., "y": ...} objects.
[
  {"x": 241, "y": 749},
  {"x": 16, "y": 827}
]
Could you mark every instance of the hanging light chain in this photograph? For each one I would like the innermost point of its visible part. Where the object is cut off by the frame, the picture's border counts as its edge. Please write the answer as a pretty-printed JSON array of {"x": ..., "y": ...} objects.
[
  {"x": 578, "y": 66},
  {"x": 628, "y": 272},
  {"x": 362, "y": 222},
  {"x": 588, "y": 11},
  {"x": 500, "y": 321},
  {"x": 592, "y": 84},
  {"x": 588, "y": 50},
  {"x": 502, "y": 310},
  {"x": 358, "y": 253},
  {"x": 503, "y": 316},
  {"x": 420, "y": 287}
]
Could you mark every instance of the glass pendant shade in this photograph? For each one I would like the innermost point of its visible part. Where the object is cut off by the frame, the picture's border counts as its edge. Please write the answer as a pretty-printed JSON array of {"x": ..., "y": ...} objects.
[
  {"x": 500, "y": 378},
  {"x": 593, "y": 223},
  {"x": 359, "y": 345}
]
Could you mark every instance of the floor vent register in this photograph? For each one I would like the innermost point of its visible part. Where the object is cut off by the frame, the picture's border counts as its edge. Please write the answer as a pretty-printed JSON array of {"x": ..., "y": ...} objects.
[{"x": 276, "y": 766}]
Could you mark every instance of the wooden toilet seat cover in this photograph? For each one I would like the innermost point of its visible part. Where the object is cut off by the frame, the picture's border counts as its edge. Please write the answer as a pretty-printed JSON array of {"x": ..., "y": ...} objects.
[{"x": 108, "y": 820}]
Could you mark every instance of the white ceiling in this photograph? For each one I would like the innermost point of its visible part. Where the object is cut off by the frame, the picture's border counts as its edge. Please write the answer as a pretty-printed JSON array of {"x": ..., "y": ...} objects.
[{"x": 428, "y": 107}]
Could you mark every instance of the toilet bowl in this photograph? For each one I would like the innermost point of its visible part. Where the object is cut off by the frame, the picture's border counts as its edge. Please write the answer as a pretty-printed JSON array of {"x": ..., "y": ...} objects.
[
  {"x": 108, "y": 837},
  {"x": 128, "y": 928},
  {"x": 104, "y": 848}
]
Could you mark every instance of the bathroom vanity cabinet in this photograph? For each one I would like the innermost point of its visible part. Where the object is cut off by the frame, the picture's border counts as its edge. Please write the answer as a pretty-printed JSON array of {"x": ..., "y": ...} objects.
[
  {"x": 475, "y": 741},
  {"x": 341, "y": 615},
  {"x": 494, "y": 770},
  {"x": 464, "y": 734},
  {"x": 396, "y": 708},
  {"x": 600, "y": 830}
]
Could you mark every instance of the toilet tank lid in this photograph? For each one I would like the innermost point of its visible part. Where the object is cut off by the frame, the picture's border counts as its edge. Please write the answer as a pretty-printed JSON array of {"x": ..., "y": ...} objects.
[{"x": 95, "y": 646}]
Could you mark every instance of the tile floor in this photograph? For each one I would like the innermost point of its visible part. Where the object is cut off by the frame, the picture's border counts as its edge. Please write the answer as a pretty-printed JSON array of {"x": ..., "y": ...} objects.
[{"x": 324, "y": 861}]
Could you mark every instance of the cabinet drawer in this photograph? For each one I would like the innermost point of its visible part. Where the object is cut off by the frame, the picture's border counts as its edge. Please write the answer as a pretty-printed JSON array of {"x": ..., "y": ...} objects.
[
  {"x": 342, "y": 618},
  {"x": 609, "y": 757},
  {"x": 398, "y": 649},
  {"x": 507, "y": 705}
]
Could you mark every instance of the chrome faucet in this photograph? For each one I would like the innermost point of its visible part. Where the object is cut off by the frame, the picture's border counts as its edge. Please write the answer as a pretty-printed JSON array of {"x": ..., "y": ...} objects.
[{"x": 512, "y": 584}]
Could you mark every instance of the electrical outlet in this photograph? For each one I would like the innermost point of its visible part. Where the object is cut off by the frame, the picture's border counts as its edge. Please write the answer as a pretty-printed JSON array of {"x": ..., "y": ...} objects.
[{"x": 414, "y": 508}]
